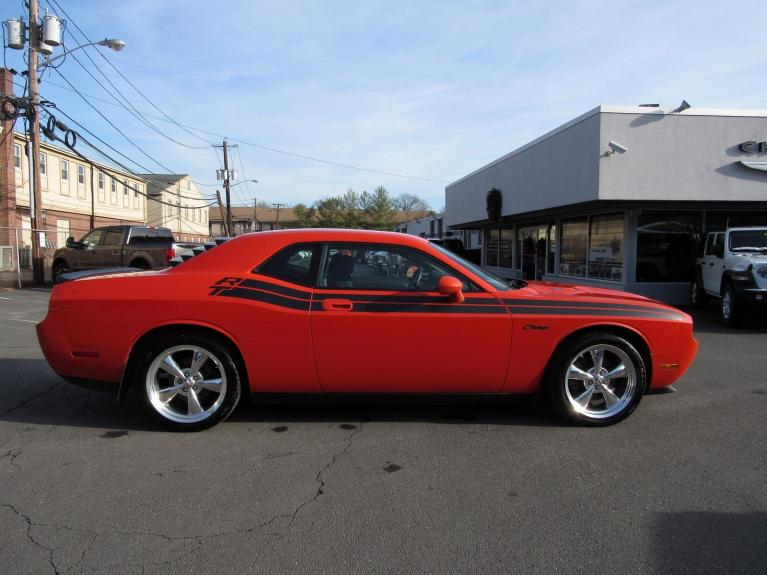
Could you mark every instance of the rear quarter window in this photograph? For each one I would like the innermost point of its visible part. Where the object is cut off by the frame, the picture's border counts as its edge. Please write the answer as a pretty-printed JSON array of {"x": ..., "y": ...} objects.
[{"x": 295, "y": 264}]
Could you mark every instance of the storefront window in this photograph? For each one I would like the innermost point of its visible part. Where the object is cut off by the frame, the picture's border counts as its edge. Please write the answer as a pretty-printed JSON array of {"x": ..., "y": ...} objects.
[
  {"x": 572, "y": 257},
  {"x": 667, "y": 245},
  {"x": 506, "y": 245},
  {"x": 532, "y": 251},
  {"x": 493, "y": 237},
  {"x": 606, "y": 247},
  {"x": 552, "y": 249}
]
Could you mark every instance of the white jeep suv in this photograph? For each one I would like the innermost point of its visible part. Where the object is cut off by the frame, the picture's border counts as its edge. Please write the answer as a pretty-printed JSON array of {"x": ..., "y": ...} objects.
[{"x": 734, "y": 268}]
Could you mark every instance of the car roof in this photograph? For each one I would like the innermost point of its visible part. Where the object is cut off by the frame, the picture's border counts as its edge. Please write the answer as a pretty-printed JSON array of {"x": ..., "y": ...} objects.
[{"x": 337, "y": 235}]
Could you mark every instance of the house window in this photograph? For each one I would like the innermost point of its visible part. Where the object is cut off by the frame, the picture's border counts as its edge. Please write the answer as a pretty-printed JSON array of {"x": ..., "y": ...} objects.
[
  {"x": 126, "y": 198},
  {"x": 65, "y": 170},
  {"x": 43, "y": 163},
  {"x": 17, "y": 156},
  {"x": 62, "y": 232},
  {"x": 574, "y": 247},
  {"x": 101, "y": 187},
  {"x": 81, "y": 174},
  {"x": 113, "y": 191}
]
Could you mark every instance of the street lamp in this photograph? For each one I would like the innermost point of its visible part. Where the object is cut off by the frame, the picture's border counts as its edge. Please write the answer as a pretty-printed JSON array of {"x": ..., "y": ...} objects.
[{"x": 112, "y": 43}]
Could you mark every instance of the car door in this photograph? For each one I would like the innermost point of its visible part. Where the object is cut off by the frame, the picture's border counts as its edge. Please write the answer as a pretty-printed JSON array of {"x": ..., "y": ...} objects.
[
  {"x": 713, "y": 263},
  {"x": 87, "y": 253},
  {"x": 379, "y": 325},
  {"x": 110, "y": 250}
]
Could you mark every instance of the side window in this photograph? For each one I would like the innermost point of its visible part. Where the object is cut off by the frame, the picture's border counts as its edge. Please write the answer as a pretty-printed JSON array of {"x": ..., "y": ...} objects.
[
  {"x": 718, "y": 249},
  {"x": 113, "y": 238},
  {"x": 292, "y": 264},
  {"x": 92, "y": 239},
  {"x": 381, "y": 267}
]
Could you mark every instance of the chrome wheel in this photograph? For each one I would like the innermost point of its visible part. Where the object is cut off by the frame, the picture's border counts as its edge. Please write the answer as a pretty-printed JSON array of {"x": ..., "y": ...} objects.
[
  {"x": 601, "y": 381},
  {"x": 186, "y": 384}
]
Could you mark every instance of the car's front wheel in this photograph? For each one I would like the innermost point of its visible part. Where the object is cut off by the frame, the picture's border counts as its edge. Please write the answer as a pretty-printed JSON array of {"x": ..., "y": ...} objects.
[
  {"x": 59, "y": 268},
  {"x": 597, "y": 379},
  {"x": 190, "y": 382}
]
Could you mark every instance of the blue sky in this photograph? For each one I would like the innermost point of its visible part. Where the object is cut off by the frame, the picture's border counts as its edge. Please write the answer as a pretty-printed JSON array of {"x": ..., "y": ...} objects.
[{"x": 427, "y": 89}]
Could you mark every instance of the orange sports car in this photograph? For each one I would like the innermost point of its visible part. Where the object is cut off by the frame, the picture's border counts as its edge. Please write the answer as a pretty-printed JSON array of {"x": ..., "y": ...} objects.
[{"x": 348, "y": 311}]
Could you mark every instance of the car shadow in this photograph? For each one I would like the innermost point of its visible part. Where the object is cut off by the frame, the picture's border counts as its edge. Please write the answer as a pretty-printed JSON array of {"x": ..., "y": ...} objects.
[
  {"x": 33, "y": 395},
  {"x": 706, "y": 542},
  {"x": 707, "y": 320}
]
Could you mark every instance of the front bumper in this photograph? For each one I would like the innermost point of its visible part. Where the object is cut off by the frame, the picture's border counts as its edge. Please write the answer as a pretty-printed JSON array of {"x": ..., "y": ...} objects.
[{"x": 752, "y": 295}]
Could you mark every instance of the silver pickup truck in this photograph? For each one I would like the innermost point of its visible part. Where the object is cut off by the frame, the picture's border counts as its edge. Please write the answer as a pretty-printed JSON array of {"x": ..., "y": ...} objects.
[{"x": 140, "y": 247}]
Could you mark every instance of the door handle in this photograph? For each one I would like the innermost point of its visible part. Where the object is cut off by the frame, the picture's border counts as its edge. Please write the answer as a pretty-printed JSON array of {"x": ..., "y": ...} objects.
[
  {"x": 337, "y": 305},
  {"x": 115, "y": 252},
  {"x": 711, "y": 263}
]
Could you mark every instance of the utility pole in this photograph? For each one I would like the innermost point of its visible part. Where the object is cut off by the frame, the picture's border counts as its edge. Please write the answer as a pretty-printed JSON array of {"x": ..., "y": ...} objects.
[
  {"x": 93, "y": 201},
  {"x": 228, "y": 188},
  {"x": 255, "y": 214},
  {"x": 221, "y": 209},
  {"x": 277, "y": 207},
  {"x": 38, "y": 272}
]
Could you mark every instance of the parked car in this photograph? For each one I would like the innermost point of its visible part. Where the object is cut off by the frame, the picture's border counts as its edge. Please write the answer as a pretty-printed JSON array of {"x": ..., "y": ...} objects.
[
  {"x": 141, "y": 247},
  {"x": 733, "y": 268},
  {"x": 257, "y": 314}
]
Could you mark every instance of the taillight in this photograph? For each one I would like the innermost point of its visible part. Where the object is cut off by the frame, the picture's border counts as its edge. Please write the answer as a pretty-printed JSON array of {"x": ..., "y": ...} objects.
[{"x": 170, "y": 253}]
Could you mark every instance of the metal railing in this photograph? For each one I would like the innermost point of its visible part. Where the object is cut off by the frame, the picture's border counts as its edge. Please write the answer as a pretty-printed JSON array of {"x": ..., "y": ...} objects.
[{"x": 16, "y": 252}]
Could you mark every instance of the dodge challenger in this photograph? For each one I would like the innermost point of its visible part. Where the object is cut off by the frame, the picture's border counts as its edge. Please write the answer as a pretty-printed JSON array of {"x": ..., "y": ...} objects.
[{"x": 355, "y": 312}]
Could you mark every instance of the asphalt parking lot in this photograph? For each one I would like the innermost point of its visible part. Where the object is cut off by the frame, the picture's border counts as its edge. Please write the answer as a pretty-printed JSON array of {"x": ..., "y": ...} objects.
[{"x": 90, "y": 486}]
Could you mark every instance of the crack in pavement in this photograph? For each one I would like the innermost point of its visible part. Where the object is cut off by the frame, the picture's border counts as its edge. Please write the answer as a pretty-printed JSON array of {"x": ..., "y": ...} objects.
[
  {"x": 320, "y": 480},
  {"x": 94, "y": 535},
  {"x": 31, "y": 538},
  {"x": 31, "y": 399}
]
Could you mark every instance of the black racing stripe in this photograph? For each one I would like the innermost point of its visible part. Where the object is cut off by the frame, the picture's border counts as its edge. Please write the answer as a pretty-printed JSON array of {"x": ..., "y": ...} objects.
[
  {"x": 651, "y": 314},
  {"x": 401, "y": 298},
  {"x": 274, "y": 299},
  {"x": 578, "y": 304},
  {"x": 257, "y": 284},
  {"x": 395, "y": 307}
]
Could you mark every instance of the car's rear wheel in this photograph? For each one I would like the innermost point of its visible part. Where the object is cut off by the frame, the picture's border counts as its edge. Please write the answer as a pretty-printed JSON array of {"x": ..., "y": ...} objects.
[
  {"x": 190, "y": 382},
  {"x": 597, "y": 379},
  {"x": 729, "y": 308},
  {"x": 697, "y": 295}
]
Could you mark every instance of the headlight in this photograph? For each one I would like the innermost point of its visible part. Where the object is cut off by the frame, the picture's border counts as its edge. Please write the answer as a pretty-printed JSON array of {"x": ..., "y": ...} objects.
[{"x": 762, "y": 272}]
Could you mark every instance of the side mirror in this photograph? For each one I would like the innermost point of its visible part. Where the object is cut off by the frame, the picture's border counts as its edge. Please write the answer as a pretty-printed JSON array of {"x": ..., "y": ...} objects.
[
  {"x": 70, "y": 242},
  {"x": 451, "y": 287}
]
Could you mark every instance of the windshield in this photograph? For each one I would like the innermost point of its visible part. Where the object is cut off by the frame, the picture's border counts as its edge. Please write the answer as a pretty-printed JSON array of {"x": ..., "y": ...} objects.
[
  {"x": 748, "y": 240},
  {"x": 493, "y": 280}
]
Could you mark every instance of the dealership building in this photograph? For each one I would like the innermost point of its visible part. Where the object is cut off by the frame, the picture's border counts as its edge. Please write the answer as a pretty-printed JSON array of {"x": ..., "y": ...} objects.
[{"x": 619, "y": 197}]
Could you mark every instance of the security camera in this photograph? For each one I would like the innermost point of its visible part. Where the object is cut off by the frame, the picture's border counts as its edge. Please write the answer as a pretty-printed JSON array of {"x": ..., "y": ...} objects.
[{"x": 616, "y": 147}]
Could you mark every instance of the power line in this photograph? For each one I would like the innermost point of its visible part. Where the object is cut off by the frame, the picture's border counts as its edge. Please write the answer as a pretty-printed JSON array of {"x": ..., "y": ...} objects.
[
  {"x": 108, "y": 121},
  {"x": 108, "y": 61},
  {"x": 279, "y": 151}
]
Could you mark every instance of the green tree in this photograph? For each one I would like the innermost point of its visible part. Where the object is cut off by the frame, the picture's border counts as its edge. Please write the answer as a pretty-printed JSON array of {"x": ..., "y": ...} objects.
[
  {"x": 382, "y": 214},
  {"x": 305, "y": 217},
  {"x": 330, "y": 212},
  {"x": 350, "y": 212}
]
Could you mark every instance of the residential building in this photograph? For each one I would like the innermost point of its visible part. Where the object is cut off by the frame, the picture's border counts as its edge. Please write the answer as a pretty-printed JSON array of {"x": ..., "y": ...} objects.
[
  {"x": 249, "y": 219},
  {"x": 177, "y": 204}
]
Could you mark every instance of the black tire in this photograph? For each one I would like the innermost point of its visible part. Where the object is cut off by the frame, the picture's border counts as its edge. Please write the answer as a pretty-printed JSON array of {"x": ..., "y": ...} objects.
[
  {"x": 626, "y": 392},
  {"x": 60, "y": 267},
  {"x": 729, "y": 308},
  {"x": 139, "y": 264},
  {"x": 219, "y": 365},
  {"x": 698, "y": 296}
]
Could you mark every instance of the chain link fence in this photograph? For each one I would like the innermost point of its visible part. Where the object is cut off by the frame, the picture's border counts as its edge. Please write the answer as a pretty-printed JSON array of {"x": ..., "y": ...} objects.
[{"x": 16, "y": 252}]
